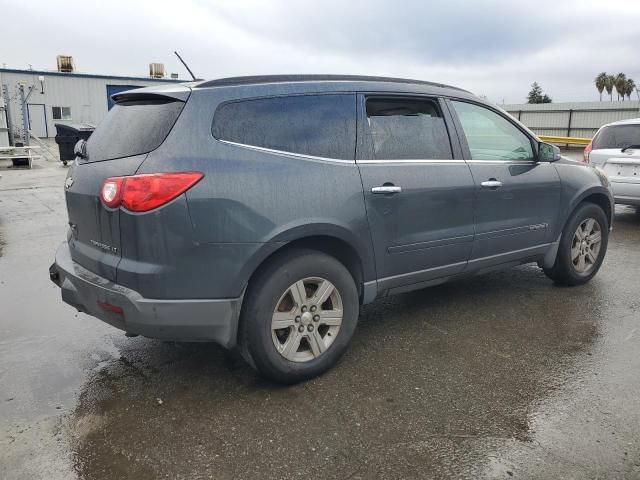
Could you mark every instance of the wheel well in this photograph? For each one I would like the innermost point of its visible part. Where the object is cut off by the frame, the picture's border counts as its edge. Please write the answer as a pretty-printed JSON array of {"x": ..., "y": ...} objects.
[
  {"x": 333, "y": 246},
  {"x": 602, "y": 201}
]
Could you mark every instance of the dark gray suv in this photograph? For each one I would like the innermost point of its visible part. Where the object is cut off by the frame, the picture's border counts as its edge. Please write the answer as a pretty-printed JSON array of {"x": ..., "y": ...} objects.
[{"x": 261, "y": 212}]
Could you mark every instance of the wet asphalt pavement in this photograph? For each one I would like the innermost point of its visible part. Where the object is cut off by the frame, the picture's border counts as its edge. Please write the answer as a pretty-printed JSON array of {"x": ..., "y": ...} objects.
[{"x": 499, "y": 376}]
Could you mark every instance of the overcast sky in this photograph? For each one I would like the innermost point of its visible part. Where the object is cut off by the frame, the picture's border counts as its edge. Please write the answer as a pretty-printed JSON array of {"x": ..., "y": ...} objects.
[{"x": 493, "y": 48}]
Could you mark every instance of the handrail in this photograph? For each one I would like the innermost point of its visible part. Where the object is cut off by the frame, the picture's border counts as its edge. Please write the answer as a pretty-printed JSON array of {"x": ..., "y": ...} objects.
[{"x": 565, "y": 140}]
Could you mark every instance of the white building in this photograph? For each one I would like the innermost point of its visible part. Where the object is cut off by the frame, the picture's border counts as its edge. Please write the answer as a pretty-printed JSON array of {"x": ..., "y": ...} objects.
[{"x": 61, "y": 97}]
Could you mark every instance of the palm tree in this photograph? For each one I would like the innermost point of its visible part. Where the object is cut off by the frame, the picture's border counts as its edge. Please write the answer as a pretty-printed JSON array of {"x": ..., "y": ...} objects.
[
  {"x": 620, "y": 83},
  {"x": 631, "y": 86},
  {"x": 610, "y": 82},
  {"x": 601, "y": 81}
]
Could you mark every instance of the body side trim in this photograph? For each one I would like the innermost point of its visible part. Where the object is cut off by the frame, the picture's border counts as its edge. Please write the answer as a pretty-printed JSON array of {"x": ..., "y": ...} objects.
[
  {"x": 507, "y": 162},
  {"x": 511, "y": 231},
  {"x": 418, "y": 272},
  {"x": 434, "y": 243},
  {"x": 404, "y": 161},
  {"x": 287, "y": 154},
  {"x": 511, "y": 252}
]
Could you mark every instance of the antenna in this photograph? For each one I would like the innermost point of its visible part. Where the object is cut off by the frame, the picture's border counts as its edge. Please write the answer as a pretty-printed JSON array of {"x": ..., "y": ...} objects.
[{"x": 185, "y": 65}]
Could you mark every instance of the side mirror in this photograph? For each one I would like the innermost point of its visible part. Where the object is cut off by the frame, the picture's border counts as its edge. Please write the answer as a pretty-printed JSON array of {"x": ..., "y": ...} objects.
[
  {"x": 80, "y": 149},
  {"x": 548, "y": 152}
]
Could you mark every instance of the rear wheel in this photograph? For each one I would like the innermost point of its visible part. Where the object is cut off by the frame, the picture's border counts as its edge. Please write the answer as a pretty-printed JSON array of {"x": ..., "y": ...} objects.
[
  {"x": 582, "y": 246},
  {"x": 299, "y": 315}
]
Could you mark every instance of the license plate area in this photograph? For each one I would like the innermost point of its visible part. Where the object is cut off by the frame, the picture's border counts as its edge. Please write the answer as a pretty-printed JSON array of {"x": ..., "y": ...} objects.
[{"x": 629, "y": 169}]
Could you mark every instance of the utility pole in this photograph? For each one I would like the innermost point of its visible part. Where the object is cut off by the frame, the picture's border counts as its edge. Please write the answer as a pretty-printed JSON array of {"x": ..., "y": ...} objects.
[
  {"x": 7, "y": 106},
  {"x": 25, "y": 113}
]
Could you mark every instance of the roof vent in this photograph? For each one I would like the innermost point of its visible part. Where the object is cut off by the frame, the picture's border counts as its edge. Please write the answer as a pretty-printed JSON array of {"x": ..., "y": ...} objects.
[
  {"x": 65, "y": 63},
  {"x": 156, "y": 70}
]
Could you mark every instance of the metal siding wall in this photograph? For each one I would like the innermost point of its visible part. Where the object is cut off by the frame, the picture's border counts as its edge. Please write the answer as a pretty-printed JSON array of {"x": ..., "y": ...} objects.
[
  {"x": 586, "y": 118},
  {"x": 545, "y": 120},
  {"x": 87, "y": 97}
]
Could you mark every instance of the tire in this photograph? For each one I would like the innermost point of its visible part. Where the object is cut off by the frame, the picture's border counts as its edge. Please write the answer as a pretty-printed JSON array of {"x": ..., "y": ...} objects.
[
  {"x": 271, "y": 350},
  {"x": 568, "y": 268}
]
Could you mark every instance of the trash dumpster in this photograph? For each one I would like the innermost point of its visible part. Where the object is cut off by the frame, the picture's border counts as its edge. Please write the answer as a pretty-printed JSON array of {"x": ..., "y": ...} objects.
[{"x": 68, "y": 134}]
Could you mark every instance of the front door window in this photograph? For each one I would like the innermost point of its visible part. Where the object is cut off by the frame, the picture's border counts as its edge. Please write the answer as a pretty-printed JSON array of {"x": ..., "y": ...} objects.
[{"x": 491, "y": 136}]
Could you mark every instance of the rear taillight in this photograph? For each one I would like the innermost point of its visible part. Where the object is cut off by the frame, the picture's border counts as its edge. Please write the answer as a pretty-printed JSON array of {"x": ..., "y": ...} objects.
[
  {"x": 141, "y": 193},
  {"x": 587, "y": 151}
]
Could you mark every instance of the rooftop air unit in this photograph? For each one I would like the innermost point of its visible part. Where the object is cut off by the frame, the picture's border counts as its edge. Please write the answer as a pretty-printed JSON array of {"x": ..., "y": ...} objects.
[
  {"x": 156, "y": 70},
  {"x": 65, "y": 63}
]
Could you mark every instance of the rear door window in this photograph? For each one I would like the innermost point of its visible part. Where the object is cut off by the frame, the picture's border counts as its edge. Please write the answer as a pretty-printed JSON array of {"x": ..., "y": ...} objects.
[
  {"x": 617, "y": 136},
  {"x": 133, "y": 128},
  {"x": 407, "y": 128},
  {"x": 315, "y": 125}
]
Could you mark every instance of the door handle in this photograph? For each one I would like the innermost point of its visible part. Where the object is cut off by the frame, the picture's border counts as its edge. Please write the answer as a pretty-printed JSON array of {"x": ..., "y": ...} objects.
[
  {"x": 385, "y": 189},
  {"x": 492, "y": 183}
]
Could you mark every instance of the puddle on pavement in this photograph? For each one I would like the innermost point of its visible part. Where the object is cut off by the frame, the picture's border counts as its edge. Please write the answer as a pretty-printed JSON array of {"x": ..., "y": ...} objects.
[{"x": 432, "y": 377}]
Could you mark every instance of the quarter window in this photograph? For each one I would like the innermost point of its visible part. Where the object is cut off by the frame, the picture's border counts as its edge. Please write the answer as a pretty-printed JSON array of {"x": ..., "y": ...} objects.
[
  {"x": 133, "y": 127},
  {"x": 490, "y": 136},
  {"x": 315, "y": 125},
  {"x": 403, "y": 129},
  {"x": 61, "y": 113}
]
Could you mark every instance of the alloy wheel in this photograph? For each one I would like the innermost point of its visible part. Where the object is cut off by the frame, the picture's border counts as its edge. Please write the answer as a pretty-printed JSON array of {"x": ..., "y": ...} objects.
[
  {"x": 307, "y": 319},
  {"x": 585, "y": 247}
]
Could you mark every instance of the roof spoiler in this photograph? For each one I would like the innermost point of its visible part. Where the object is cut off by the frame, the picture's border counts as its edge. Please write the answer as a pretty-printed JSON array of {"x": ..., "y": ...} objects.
[{"x": 168, "y": 93}]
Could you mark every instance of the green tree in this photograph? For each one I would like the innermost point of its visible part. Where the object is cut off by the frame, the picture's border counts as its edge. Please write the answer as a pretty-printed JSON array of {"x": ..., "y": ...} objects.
[
  {"x": 601, "y": 82},
  {"x": 536, "y": 95},
  {"x": 621, "y": 85},
  {"x": 631, "y": 87},
  {"x": 608, "y": 86}
]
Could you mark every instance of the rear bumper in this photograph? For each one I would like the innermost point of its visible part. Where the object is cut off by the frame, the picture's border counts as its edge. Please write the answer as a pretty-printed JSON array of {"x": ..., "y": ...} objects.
[
  {"x": 626, "y": 193},
  {"x": 184, "y": 320}
]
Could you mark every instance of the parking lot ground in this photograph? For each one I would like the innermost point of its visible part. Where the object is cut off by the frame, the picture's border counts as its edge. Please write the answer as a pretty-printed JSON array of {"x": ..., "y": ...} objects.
[{"x": 499, "y": 376}]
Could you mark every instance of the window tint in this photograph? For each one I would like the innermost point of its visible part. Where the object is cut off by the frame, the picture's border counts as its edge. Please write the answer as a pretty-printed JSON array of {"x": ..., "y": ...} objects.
[
  {"x": 490, "y": 136},
  {"x": 403, "y": 129},
  {"x": 317, "y": 125},
  {"x": 133, "y": 128},
  {"x": 617, "y": 136}
]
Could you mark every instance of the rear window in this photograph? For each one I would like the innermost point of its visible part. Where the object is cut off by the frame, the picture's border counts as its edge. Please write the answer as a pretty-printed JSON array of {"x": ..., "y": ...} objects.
[
  {"x": 316, "y": 125},
  {"x": 132, "y": 128},
  {"x": 402, "y": 129},
  {"x": 617, "y": 136}
]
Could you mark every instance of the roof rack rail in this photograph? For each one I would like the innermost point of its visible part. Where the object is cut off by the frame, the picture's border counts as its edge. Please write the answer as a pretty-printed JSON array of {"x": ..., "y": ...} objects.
[{"x": 258, "y": 79}]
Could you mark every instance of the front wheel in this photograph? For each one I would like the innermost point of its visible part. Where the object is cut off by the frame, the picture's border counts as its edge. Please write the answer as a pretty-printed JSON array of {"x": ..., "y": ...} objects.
[
  {"x": 300, "y": 313},
  {"x": 582, "y": 246}
]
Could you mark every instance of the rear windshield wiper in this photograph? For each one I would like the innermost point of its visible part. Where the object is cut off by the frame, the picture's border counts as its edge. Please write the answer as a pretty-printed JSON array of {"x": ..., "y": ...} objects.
[{"x": 630, "y": 147}]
